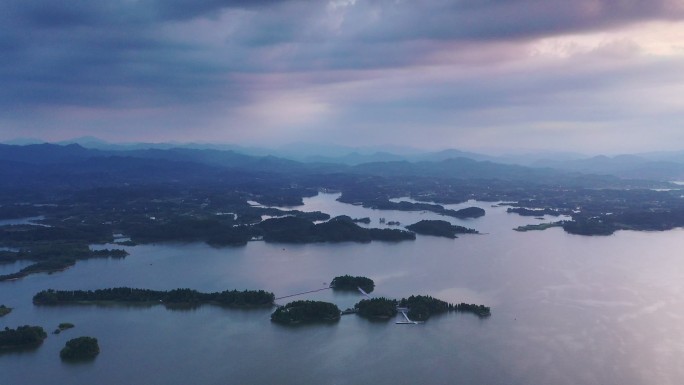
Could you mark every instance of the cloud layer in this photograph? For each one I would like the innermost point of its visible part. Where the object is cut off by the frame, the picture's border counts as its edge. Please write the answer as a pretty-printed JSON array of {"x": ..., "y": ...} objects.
[{"x": 588, "y": 75}]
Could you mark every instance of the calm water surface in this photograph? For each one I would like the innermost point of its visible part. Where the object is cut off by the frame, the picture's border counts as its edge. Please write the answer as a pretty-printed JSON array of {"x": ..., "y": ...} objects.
[{"x": 565, "y": 310}]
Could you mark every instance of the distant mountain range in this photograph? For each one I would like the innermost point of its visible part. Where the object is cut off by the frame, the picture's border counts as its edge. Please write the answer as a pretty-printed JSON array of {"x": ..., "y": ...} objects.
[
  {"x": 658, "y": 166},
  {"x": 623, "y": 166}
]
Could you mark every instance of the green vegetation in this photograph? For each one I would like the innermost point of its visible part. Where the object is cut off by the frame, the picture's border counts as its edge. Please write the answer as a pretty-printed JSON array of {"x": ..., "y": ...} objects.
[
  {"x": 338, "y": 229},
  {"x": 391, "y": 235},
  {"x": 469, "y": 212},
  {"x": 49, "y": 257},
  {"x": 215, "y": 231},
  {"x": 22, "y": 337},
  {"x": 533, "y": 212},
  {"x": 176, "y": 297},
  {"x": 481, "y": 311},
  {"x": 300, "y": 312},
  {"x": 49, "y": 266},
  {"x": 81, "y": 348},
  {"x": 422, "y": 307},
  {"x": 349, "y": 283},
  {"x": 590, "y": 226},
  {"x": 540, "y": 226},
  {"x": 382, "y": 203},
  {"x": 439, "y": 228},
  {"x": 4, "y": 310},
  {"x": 63, "y": 326},
  {"x": 186, "y": 195},
  {"x": 377, "y": 308}
]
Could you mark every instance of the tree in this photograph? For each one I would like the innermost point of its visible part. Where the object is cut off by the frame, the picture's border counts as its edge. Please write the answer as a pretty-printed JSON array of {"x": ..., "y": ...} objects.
[{"x": 81, "y": 348}]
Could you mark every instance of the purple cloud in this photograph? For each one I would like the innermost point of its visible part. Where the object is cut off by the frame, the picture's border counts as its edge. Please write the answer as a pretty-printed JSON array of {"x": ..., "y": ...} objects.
[{"x": 300, "y": 69}]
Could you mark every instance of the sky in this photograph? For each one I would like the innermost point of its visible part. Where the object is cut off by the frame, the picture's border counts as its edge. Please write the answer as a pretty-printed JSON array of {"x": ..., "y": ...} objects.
[{"x": 593, "y": 76}]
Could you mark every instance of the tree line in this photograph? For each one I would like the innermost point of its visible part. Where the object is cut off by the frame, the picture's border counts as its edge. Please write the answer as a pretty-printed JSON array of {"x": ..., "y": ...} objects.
[{"x": 229, "y": 298}]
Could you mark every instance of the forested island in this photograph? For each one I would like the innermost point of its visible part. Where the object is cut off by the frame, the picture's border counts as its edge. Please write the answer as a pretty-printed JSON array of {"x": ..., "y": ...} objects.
[
  {"x": 386, "y": 204},
  {"x": 420, "y": 308},
  {"x": 49, "y": 266},
  {"x": 533, "y": 212},
  {"x": 539, "y": 226},
  {"x": 4, "y": 310},
  {"x": 380, "y": 308},
  {"x": 79, "y": 349},
  {"x": 339, "y": 229},
  {"x": 63, "y": 326},
  {"x": 171, "y": 298},
  {"x": 36, "y": 244},
  {"x": 349, "y": 283},
  {"x": 305, "y": 312},
  {"x": 22, "y": 337},
  {"x": 439, "y": 228}
]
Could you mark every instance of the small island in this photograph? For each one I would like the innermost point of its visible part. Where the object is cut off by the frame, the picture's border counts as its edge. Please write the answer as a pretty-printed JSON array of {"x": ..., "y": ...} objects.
[
  {"x": 439, "y": 228},
  {"x": 349, "y": 283},
  {"x": 469, "y": 212},
  {"x": 171, "y": 298},
  {"x": 304, "y": 312},
  {"x": 533, "y": 212},
  {"x": 540, "y": 226},
  {"x": 4, "y": 310},
  {"x": 417, "y": 308},
  {"x": 63, "y": 326},
  {"x": 421, "y": 307},
  {"x": 22, "y": 337},
  {"x": 383, "y": 203},
  {"x": 81, "y": 348},
  {"x": 50, "y": 259},
  {"x": 377, "y": 308},
  {"x": 339, "y": 229}
]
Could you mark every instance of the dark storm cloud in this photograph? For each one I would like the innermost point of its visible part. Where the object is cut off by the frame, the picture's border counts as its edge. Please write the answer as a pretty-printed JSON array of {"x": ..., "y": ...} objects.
[
  {"x": 60, "y": 14},
  {"x": 137, "y": 54},
  {"x": 80, "y": 53}
]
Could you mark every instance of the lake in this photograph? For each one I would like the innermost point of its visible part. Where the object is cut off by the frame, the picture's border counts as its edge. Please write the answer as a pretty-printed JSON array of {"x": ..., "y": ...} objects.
[{"x": 566, "y": 309}]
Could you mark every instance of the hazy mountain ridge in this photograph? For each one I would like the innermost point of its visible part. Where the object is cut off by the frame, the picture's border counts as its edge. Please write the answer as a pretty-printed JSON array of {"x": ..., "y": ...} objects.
[
  {"x": 660, "y": 166},
  {"x": 623, "y": 166},
  {"x": 50, "y": 165}
]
